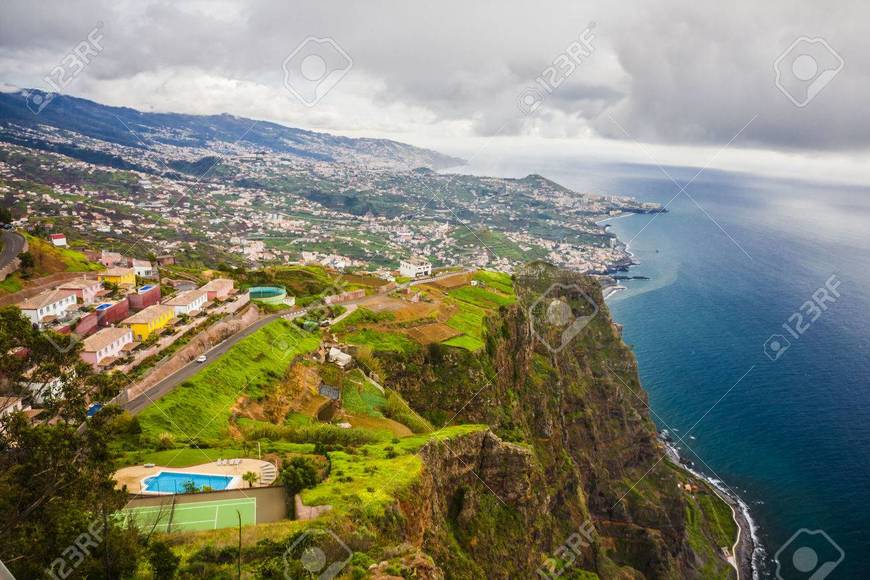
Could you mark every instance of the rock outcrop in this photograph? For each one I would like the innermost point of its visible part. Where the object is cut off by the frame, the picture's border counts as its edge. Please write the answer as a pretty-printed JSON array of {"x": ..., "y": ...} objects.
[{"x": 586, "y": 452}]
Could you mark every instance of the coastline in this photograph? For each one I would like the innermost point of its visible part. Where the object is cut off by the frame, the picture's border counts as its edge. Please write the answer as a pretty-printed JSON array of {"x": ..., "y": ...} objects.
[
  {"x": 746, "y": 552},
  {"x": 609, "y": 291}
]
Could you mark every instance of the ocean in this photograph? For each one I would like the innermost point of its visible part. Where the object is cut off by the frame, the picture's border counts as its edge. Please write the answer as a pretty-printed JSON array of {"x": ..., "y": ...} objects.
[{"x": 752, "y": 340}]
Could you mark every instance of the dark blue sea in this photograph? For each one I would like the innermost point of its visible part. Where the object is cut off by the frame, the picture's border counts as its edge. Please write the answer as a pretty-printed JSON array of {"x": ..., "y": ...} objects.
[{"x": 736, "y": 258}]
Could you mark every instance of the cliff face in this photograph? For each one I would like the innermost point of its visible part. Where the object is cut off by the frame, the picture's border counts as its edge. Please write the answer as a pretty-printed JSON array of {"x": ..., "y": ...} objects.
[{"x": 584, "y": 454}]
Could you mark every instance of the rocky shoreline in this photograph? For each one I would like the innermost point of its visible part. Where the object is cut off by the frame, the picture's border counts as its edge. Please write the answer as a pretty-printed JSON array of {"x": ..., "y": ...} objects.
[{"x": 746, "y": 548}]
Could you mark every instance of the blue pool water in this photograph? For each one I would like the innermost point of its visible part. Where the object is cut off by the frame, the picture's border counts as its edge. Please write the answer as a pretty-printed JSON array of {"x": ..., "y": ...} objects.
[{"x": 174, "y": 482}]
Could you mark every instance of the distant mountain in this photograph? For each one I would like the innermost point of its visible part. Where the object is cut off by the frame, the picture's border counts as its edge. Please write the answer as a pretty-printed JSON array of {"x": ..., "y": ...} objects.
[{"x": 222, "y": 133}]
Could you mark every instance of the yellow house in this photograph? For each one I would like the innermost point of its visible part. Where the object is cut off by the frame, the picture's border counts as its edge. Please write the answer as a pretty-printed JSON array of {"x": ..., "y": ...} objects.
[
  {"x": 119, "y": 276},
  {"x": 150, "y": 320}
]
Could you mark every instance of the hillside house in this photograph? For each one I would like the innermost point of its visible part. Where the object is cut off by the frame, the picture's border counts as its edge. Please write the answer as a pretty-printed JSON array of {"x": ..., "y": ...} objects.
[
  {"x": 188, "y": 302},
  {"x": 85, "y": 290},
  {"x": 218, "y": 289},
  {"x": 150, "y": 321},
  {"x": 415, "y": 268},
  {"x": 118, "y": 276},
  {"x": 47, "y": 306},
  {"x": 58, "y": 240},
  {"x": 105, "y": 345}
]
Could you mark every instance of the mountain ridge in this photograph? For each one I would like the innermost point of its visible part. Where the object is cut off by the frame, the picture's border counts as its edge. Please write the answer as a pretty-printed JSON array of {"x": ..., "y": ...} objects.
[{"x": 128, "y": 127}]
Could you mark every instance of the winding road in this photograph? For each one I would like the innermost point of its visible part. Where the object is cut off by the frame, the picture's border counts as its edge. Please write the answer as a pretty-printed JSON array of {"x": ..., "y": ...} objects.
[{"x": 13, "y": 244}]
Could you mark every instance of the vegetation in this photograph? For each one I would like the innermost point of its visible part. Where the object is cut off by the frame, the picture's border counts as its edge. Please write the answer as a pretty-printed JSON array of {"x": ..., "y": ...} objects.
[
  {"x": 55, "y": 478},
  {"x": 201, "y": 407},
  {"x": 382, "y": 341}
]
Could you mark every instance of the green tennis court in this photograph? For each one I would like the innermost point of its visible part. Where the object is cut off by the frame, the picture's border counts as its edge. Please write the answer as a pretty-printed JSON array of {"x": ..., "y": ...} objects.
[{"x": 206, "y": 515}]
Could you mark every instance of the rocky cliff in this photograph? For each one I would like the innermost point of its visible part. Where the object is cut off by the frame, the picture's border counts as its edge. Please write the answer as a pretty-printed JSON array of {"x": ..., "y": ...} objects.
[{"x": 569, "y": 477}]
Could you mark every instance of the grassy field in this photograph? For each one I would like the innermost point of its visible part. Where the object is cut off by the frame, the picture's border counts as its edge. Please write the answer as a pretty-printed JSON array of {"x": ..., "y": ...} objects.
[
  {"x": 359, "y": 395},
  {"x": 374, "y": 475},
  {"x": 474, "y": 304},
  {"x": 48, "y": 259},
  {"x": 498, "y": 280},
  {"x": 382, "y": 341},
  {"x": 482, "y": 297},
  {"x": 201, "y": 406},
  {"x": 469, "y": 321}
]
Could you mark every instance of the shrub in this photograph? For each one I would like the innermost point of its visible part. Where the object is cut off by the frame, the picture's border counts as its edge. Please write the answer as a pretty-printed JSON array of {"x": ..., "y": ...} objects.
[
  {"x": 165, "y": 440},
  {"x": 163, "y": 561}
]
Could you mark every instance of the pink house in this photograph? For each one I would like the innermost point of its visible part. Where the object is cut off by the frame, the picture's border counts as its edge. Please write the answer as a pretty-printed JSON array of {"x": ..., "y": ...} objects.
[
  {"x": 112, "y": 312},
  {"x": 105, "y": 345},
  {"x": 218, "y": 289},
  {"x": 144, "y": 296},
  {"x": 85, "y": 290}
]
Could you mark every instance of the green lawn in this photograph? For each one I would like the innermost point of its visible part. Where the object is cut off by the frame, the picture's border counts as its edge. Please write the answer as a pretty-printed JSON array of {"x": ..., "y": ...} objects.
[
  {"x": 464, "y": 341},
  {"x": 469, "y": 321},
  {"x": 200, "y": 407},
  {"x": 360, "y": 396},
  {"x": 483, "y": 297},
  {"x": 374, "y": 475},
  {"x": 498, "y": 280},
  {"x": 382, "y": 341}
]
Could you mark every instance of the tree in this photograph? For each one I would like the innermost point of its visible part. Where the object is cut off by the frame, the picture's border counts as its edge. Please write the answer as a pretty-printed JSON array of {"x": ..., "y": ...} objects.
[
  {"x": 251, "y": 477},
  {"x": 163, "y": 561},
  {"x": 299, "y": 474},
  {"x": 27, "y": 261},
  {"x": 56, "y": 484},
  {"x": 5, "y": 215}
]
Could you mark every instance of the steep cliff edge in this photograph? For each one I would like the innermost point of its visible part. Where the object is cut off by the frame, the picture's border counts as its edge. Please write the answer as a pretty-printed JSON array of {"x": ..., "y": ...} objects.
[{"x": 571, "y": 449}]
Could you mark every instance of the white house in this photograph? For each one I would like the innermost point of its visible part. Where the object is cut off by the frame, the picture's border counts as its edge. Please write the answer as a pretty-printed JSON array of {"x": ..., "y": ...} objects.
[
  {"x": 188, "y": 302},
  {"x": 48, "y": 305},
  {"x": 105, "y": 344},
  {"x": 342, "y": 359},
  {"x": 415, "y": 268},
  {"x": 143, "y": 268},
  {"x": 59, "y": 240}
]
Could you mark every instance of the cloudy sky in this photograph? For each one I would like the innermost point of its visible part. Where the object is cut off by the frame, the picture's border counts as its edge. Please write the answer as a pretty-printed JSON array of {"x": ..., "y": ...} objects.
[{"x": 674, "y": 81}]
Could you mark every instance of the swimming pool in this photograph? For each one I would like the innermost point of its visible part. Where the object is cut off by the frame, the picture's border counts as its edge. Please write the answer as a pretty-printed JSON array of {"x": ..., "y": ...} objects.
[{"x": 176, "y": 482}]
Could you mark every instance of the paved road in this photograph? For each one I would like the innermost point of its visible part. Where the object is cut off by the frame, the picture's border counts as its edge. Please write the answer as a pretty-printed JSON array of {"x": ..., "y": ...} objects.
[
  {"x": 12, "y": 245},
  {"x": 168, "y": 384}
]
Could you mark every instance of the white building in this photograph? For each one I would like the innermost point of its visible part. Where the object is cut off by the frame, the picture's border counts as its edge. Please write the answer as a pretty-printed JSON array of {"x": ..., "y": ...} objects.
[
  {"x": 415, "y": 268},
  {"x": 188, "y": 302},
  {"x": 58, "y": 240},
  {"x": 47, "y": 306},
  {"x": 342, "y": 359},
  {"x": 143, "y": 268}
]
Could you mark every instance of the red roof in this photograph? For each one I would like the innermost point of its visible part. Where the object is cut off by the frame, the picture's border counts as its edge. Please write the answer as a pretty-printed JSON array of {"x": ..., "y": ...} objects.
[{"x": 56, "y": 236}]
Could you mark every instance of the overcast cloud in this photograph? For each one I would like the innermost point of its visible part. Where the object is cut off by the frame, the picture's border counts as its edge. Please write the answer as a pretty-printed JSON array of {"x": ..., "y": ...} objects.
[{"x": 667, "y": 72}]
